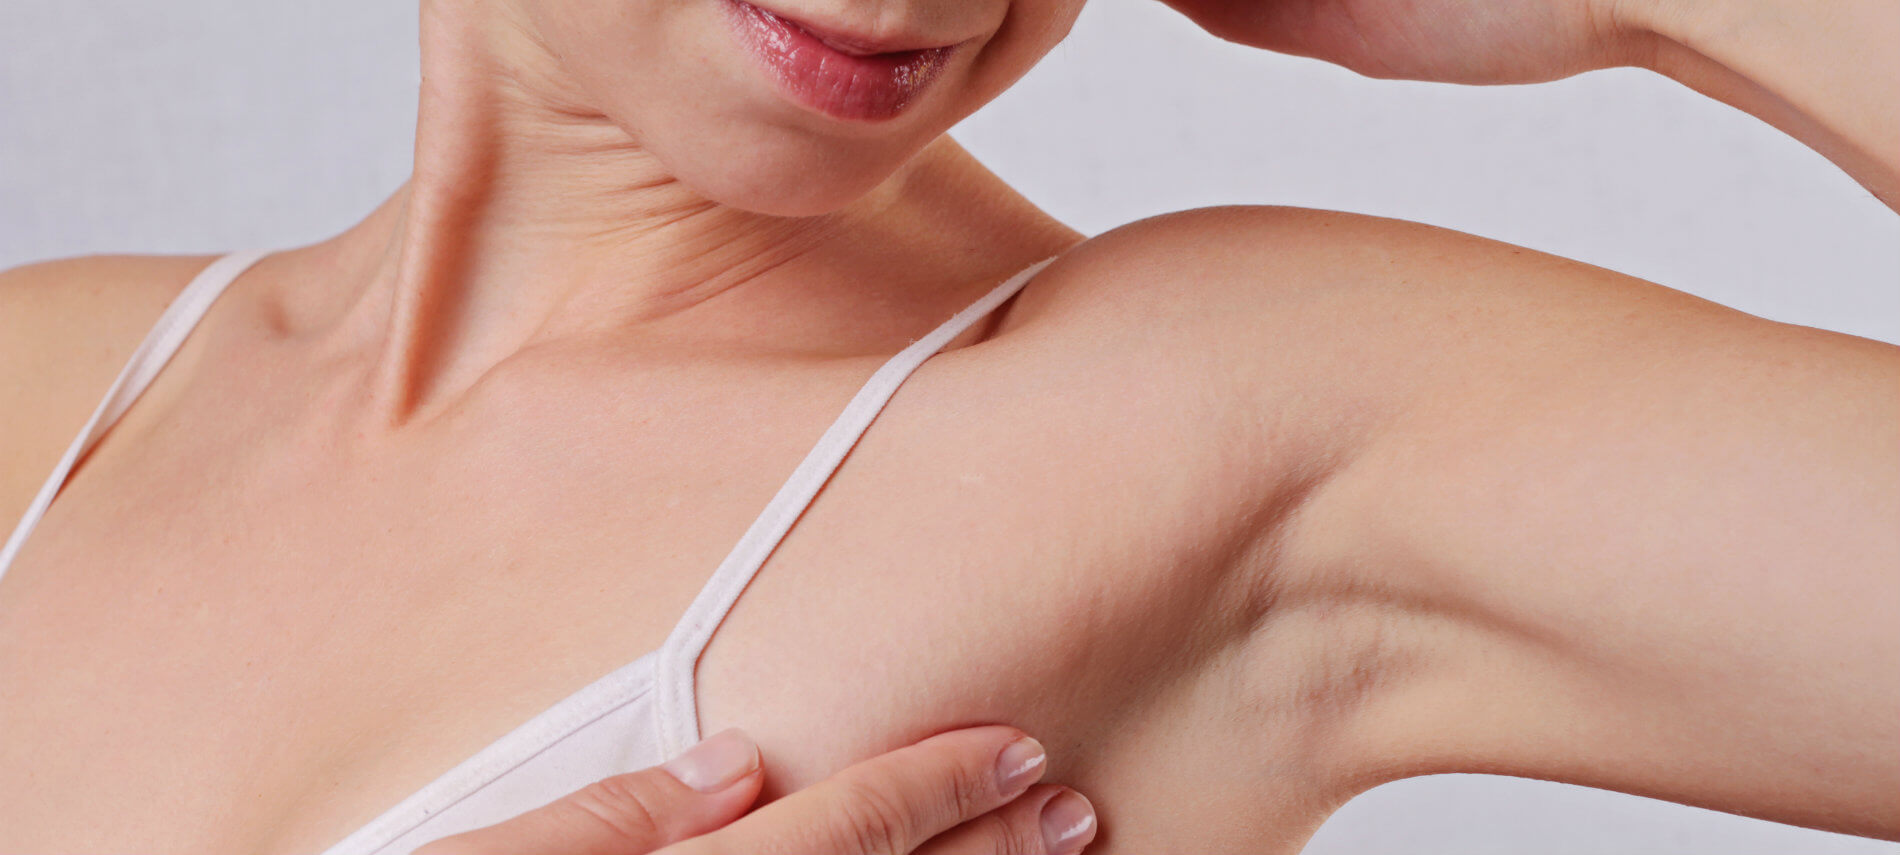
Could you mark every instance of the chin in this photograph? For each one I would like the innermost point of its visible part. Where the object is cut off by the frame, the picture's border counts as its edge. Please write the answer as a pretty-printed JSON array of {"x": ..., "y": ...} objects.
[{"x": 802, "y": 178}]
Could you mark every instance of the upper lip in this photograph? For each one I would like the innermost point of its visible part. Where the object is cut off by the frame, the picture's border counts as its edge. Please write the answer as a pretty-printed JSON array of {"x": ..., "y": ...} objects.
[{"x": 845, "y": 41}]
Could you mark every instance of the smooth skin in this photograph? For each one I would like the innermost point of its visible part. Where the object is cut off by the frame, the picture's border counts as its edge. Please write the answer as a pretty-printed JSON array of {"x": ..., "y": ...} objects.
[{"x": 1241, "y": 510}]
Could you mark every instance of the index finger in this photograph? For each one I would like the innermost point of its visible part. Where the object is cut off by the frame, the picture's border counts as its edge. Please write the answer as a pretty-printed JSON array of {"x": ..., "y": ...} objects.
[{"x": 891, "y": 803}]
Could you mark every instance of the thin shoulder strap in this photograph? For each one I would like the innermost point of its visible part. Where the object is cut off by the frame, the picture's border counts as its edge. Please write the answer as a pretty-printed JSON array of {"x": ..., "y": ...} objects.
[
  {"x": 160, "y": 343},
  {"x": 678, "y": 709}
]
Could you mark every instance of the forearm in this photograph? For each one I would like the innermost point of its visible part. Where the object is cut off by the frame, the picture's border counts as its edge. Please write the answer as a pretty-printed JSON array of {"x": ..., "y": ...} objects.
[{"x": 1827, "y": 73}]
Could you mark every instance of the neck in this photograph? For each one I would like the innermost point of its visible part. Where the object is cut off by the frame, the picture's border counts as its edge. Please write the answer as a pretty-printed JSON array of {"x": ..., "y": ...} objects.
[{"x": 526, "y": 220}]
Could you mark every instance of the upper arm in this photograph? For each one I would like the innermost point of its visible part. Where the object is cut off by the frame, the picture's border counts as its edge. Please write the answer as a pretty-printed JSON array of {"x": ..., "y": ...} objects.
[
  {"x": 1642, "y": 541},
  {"x": 1560, "y": 522},
  {"x": 67, "y": 327}
]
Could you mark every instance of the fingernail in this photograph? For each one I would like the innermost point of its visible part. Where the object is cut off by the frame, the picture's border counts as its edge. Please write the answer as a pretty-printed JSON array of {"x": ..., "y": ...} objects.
[
  {"x": 1019, "y": 765},
  {"x": 717, "y": 762},
  {"x": 1068, "y": 823}
]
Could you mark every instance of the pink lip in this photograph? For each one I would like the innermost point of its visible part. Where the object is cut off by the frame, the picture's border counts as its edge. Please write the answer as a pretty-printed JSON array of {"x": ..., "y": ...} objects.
[{"x": 833, "y": 74}]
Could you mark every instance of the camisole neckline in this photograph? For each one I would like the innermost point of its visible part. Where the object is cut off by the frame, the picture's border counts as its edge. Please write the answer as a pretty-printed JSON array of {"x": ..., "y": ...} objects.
[{"x": 663, "y": 677}]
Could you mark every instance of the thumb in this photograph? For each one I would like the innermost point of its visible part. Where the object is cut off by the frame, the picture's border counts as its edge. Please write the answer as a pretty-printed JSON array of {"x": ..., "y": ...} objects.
[{"x": 704, "y": 788}]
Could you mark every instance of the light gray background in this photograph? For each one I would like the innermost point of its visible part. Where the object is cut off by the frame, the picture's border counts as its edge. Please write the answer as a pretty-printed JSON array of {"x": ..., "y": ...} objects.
[{"x": 200, "y": 126}]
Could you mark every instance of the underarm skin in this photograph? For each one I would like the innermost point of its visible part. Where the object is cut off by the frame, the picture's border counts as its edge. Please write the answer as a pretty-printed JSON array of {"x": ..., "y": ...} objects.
[
  {"x": 1589, "y": 529},
  {"x": 1596, "y": 531},
  {"x": 1529, "y": 517}
]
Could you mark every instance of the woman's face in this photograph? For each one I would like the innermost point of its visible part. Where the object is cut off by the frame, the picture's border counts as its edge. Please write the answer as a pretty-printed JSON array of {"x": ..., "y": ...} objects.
[{"x": 751, "y": 110}]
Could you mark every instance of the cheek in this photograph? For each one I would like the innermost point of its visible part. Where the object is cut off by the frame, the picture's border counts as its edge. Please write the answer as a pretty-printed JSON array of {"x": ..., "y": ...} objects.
[{"x": 1030, "y": 30}]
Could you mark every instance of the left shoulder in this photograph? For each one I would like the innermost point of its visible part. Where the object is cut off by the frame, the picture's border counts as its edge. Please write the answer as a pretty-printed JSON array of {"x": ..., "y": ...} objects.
[
  {"x": 1282, "y": 259},
  {"x": 1342, "y": 308},
  {"x": 1325, "y": 317}
]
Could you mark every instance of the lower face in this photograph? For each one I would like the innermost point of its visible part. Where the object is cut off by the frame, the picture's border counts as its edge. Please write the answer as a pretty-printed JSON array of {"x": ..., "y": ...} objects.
[
  {"x": 834, "y": 73},
  {"x": 791, "y": 106}
]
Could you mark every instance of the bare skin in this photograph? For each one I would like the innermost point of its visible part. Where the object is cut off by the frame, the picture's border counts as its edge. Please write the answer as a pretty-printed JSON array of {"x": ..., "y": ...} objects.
[{"x": 1240, "y": 511}]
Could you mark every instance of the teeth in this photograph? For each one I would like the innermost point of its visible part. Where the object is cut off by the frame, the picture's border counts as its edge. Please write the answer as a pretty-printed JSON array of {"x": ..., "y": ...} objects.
[{"x": 843, "y": 48}]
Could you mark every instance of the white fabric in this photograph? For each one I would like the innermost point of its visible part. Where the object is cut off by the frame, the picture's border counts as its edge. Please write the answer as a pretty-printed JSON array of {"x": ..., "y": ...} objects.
[{"x": 634, "y": 717}]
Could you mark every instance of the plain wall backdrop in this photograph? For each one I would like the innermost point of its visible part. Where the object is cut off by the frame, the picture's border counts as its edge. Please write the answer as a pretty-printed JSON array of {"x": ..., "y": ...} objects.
[{"x": 198, "y": 126}]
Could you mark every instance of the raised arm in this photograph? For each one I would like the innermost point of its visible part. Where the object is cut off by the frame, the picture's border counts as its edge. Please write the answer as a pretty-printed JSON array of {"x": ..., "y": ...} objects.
[
  {"x": 1615, "y": 535},
  {"x": 1550, "y": 521},
  {"x": 1827, "y": 72},
  {"x": 1516, "y": 514}
]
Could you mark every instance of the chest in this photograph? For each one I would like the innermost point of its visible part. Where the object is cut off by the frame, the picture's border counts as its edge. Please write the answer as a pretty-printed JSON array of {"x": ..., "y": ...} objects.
[{"x": 227, "y": 636}]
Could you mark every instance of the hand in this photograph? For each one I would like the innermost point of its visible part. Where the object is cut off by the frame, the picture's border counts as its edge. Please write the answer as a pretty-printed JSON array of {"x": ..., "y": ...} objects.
[
  {"x": 945, "y": 795},
  {"x": 1453, "y": 41}
]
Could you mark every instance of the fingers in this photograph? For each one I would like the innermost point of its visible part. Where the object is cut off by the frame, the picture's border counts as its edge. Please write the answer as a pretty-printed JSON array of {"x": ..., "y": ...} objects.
[
  {"x": 964, "y": 792},
  {"x": 890, "y": 804},
  {"x": 1047, "y": 820},
  {"x": 704, "y": 788}
]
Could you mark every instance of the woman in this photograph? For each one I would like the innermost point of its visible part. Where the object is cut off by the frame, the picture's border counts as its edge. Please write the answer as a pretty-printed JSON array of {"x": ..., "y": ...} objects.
[{"x": 1241, "y": 511}]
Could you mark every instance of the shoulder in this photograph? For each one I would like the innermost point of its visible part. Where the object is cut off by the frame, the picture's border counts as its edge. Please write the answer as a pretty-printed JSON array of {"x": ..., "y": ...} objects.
[
  {"x": 67, "y": 326},
  {"x": 1329, "y": 317},
  {"x": 1290, "y": 347},
  {"x": 1346, "y": 314},
  {"x": 1292, "y": 354},
  {"x": 1282, "y": 261}
]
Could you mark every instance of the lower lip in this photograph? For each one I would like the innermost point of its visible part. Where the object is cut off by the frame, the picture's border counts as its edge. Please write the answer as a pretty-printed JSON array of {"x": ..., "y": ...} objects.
[{"x": 861, "y": 88}]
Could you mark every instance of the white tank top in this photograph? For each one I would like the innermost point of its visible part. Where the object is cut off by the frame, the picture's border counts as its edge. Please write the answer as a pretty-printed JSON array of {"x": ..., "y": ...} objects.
[{"x": 636, "y": 716}]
